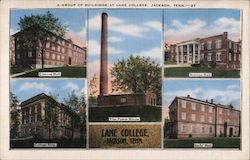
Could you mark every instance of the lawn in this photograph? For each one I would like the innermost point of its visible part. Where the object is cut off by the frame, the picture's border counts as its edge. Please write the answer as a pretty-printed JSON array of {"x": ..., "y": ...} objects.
[
  {"x": 146, "y": 113},
  {"x": 61, "y": 143},
  {"x": 189, "y": 143},
  {"x": 68, "y": 71},
  {"x": 184, "y": 72},
  {"x": 15, "y": 70}
]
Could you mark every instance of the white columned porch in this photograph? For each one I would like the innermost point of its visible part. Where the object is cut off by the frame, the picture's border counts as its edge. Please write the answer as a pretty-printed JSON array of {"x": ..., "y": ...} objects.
[
  {"x": 177, "y": 54},
  {"x": 187, "y": 53},
  {"x": 182, "y": 59},
  {"x": 199, "y": 54},
  {"x": 193, "y": 53}
]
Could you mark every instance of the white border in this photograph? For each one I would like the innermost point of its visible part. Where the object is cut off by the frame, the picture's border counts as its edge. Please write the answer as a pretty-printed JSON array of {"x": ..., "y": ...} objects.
[{"x": 177, "y": 154}]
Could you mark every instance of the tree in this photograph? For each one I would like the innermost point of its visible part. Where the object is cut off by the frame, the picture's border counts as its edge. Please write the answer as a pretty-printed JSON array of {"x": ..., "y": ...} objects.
[
  {"x": 93, "y": 90},
  {"x": 53, "y": 95},
  {"x": 40, "y": 29},
  {"x": 51, "y": 118},
  {"x": 14, "y": 116},
  {"x": 137, "y": 75},
  {"x": 78, "y": 105}
]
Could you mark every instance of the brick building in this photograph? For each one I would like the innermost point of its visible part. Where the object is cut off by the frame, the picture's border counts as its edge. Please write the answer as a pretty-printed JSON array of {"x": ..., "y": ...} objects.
[
  {"x": 217, "y": 49},
  {"x": 58, "y": 52},
  {"x": 191, "y": 117},
  {"x": 45, "y": 117}
]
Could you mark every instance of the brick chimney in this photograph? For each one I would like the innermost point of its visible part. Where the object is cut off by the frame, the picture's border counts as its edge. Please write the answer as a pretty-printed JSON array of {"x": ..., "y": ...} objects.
[
  {"x": 104, "y": 55},
  {"x": 212, "y": 100},
  {"x": 188, "y": 96}
]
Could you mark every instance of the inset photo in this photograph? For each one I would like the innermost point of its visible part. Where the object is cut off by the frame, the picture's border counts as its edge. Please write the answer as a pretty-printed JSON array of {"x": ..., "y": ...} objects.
[
  {"x": 47, "y": 113},
  {"x": 124, "y": 65},
  {"x": 48, "y": 43},
  {"x": 202, "y": 43},
  {"x": 202, "y": 114}
]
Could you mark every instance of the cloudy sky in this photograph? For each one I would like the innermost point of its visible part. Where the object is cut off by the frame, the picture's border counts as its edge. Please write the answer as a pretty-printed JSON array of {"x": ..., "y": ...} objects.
[
  {"x": 181, "y": 24},
  {"x": 75, "y": 19},
  {"x": 27, "y": 88},
  {"x": 136, "y": 32},
  {"x": 221, "y": 91}
]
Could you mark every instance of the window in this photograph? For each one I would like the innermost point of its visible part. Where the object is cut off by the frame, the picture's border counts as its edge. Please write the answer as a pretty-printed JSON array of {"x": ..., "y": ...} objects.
[
  {"x": 210, "y": 110},
  {"x": 30, "y": 54},
  {"x": 183, "y": 116},
  {"x": 47, "y": 45},
  {"x": 235, "y": 56},
  {"x": 202, "y": 118},
  {"x": 218, "y": 56},
  {"x": 58, "y": 48},
  {"x": 209, "y": 45},
  {"x": 220, "y": 120},
  {"x": 58, "y": 57},
  {"x": 202, "y": 56},
  {"x": 183, "y": 128},
  {"x": 238, "y": 57},
  {"x": 209, "y": 57},
  {"x": 193, "y": 106},
  {"x": 218, "y": 43},
  {"x": 202, "y": 108},
  {"x": 62, "y": 57},
  {"x": 53, "y": 47},
  {"x": 202, "y": 129},
  {"x": 210, "y": 130},
  {"x": 193, "y": 117},
  {"x": 220, "y": 110},
  {"x": 230, "y": 44},
  {"x": 183, "y": 104},
  {"x": 18, "y": 56},
  {"x": 228, "y": 112},
  {"x": 47, "y": 55},
  {"x": 229, "y": 56},
  {"x": 53, "y": 56},
  {"x": 235, "y": 47},
  {"x": 202, "y": 46},
  {"x": 193, "y": 129},
  {"x": 63, "y": 50},
  {"x": 123, "y": 100},
  {"x": 18, "y": 46},
  {"x": 210, "y": 120}
]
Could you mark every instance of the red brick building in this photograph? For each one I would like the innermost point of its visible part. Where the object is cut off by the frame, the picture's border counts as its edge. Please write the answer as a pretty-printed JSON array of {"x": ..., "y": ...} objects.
[
  {"x": 44, "y": 117},
  {"x": 58, "y": 52},
  {"x": 217, "y": 49},
  {"x": 191, "y": 117}
]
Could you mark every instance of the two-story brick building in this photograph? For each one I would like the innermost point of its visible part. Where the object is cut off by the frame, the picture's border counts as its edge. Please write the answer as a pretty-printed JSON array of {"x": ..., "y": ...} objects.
[
  {"x": 217, "y": 49},
  {"x": 58, "y": 52},
  {"x": 45, "y": 117},
  {"x": 190, "y": 117}
]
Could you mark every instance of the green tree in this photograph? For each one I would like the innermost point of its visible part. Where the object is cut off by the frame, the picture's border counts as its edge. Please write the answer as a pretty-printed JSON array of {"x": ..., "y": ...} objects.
[
  {"x": 78, "y": 105},
  {"x": 14, "y": 116},
  {"x": 93, "y": 90},
  {"x": 39, "y": 29},
  {"x": 51, "y": 118},
  {"x": 137, "y": 75},
  {"x": 53, "y": 95}
]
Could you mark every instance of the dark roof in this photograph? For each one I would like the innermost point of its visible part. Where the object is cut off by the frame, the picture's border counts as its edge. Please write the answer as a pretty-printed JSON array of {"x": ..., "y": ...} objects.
[
  {"x": 50, "y": 99},
  {"x": 39, "y": 27},
  {"x": 209, "y": 103}
]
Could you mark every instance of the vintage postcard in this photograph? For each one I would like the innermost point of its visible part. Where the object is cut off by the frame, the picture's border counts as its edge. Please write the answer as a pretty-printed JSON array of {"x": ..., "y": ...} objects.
[
  {"x": 202, "y": 114},
  {"x": 124, "y": 68},
  {"x": 47, "y": 113},
  {"x": 48, "y": 43},
  {"x": 202, "y": 43}
]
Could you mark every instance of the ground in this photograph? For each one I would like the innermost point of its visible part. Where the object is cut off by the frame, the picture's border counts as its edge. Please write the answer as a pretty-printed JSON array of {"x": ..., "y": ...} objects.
[
  {"x": 184, "y": 72},
  {"x": 146, "y": 113},
  {"x": 189, "y": 143},
  {"x": 67, "y": 71}
]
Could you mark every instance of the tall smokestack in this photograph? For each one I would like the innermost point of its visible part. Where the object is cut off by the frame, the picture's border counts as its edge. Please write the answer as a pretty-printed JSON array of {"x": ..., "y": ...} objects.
[{"x": 104, "y": 55}]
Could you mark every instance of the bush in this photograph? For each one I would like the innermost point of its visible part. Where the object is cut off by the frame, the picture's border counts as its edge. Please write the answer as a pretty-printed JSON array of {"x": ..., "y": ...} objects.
[
  {"x": 212, "y": 64},
  {"x": 190, "y": 136}
]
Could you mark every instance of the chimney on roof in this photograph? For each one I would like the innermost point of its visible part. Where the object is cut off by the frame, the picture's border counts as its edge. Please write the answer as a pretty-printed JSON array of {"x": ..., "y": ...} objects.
[
  {"x": 188, "y": 96},
  {"x": 206, "y": 100},
  {"x": 104, "y": 55},
  {"x": 212, "y": 100},
  {"x": 225, "y": 33}
]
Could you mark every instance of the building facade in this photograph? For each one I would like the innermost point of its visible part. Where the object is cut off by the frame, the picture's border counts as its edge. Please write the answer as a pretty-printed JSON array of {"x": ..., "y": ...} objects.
[
  {"x": 191, "y": 117},
  {"x": 216, "y": 50},
  {"x": 45, "y": 118},
  {"x": 58, "y": 52}
]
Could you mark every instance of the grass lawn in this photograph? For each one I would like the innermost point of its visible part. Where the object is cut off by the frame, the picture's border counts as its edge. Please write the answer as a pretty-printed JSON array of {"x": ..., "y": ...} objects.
[
  {"x": 68, "y": 71},
  {"x": 15, "y": 70},
  {"x": 146, "y": 113},
  {"x": 184, "y": 72},
  {"x": 189, "y": 143},
  {"x": 61, "y": 143}
]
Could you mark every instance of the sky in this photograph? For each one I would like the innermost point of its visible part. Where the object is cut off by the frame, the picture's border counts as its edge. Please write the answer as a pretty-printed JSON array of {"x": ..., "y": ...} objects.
[
  {"x": 75, "y": 19},
  {"x": 187, "y": 24},
  {"x": 136, "y": 32},
  {"x": 221, "y": 91},
  {"x": 27, "y": 88}
]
